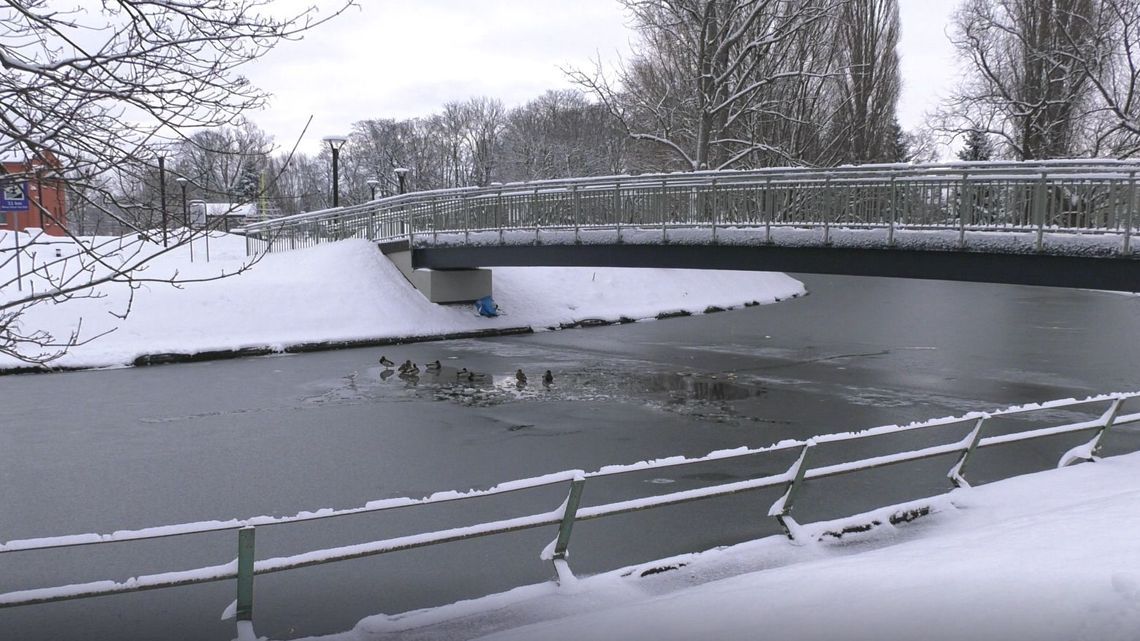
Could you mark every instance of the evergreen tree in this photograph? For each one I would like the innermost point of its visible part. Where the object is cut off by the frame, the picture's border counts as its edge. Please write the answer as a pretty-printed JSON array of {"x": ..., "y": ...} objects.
[
  {"x": 978, "y": 147},
  {"x": 897, "y": 147}
]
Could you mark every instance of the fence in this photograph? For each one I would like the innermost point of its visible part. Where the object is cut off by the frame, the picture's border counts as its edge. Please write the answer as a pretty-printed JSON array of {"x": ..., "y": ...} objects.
[
  {"x": 564, "y": 516},
  {"x": 1050, "y": 199}
]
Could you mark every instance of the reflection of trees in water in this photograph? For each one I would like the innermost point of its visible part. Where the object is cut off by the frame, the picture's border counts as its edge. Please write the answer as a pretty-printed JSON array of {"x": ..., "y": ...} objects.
[{"x": 700, "y": 389}]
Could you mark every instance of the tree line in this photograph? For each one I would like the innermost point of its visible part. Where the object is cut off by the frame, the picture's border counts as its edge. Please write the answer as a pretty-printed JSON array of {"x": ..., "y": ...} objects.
[{"x": 717, "y": 84}]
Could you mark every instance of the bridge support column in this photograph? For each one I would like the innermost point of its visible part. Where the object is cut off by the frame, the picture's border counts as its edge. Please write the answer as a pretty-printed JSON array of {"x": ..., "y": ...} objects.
[{"x": 439, "y": 285}]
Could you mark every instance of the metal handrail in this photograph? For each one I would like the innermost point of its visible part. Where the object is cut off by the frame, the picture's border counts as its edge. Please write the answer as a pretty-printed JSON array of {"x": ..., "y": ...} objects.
[
  {"x": 565, "y": 515},
  {"x": 1049, "y": 198}
]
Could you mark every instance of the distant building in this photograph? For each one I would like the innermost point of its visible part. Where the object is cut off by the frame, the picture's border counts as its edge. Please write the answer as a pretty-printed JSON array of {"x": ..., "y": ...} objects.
[{"x": 26, "y": 185}]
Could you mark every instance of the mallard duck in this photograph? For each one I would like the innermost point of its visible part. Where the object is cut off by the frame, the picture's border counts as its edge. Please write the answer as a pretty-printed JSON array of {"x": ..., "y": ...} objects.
[
  {"x": 386, "y": 362},
  {"x": 406, "y": 366},
  {"x": 434, "y": 366},
  {"x": 476, "y": 376},
  {"x": 411, "y": 372},
  {"x": 462, "y": 373},
  {"x": 520, "y": 377},
  {"x": 547, "y": 378}
]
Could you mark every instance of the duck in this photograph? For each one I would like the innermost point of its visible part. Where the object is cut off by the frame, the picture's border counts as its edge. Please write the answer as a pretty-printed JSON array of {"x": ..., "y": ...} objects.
[
  {"x": 476, "y": 376},
  {"x": 547, "y": 378},
  {"x": 406, "y": 366},
  {"x": 411, "y": 372},
  {"x": 462, "y": 373},
  {"x": 520, "y": 377},
  {"x": 386, "y": 362},
  {"x": 434, "y": 366}
]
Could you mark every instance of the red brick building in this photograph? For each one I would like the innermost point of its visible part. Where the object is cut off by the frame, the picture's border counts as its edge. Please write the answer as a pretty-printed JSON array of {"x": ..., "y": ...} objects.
[{"x": 25, "y": 186}]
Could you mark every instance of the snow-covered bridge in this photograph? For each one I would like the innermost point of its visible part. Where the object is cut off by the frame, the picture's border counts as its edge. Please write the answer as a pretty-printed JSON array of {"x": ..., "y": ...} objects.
[{"x": 1064, "y": 223}]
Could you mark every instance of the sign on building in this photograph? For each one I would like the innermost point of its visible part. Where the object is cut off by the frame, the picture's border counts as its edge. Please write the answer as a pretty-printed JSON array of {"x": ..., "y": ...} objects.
[{"x": 14, "y": 196}]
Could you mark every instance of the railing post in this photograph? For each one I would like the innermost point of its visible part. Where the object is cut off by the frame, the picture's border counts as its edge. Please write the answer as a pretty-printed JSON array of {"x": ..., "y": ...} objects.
[
  {"x": 894, "y": 214},
  {"x": 562, "y": 544},
  {"x": 245, "y": 574},
  {"x": 499, "y": 215},
  {"x": 1128, "y": 214},
  {"x": 1039, "y": 212},
  {"x": 715, "y": 209},
  {"x": 664, "y": 207},
  {"x": 769, "y": 211},
  {"x": 1109, "y": 420},
  {"x": 829, "y": 200},
  {"x": 617, "y": 208},
  {"x": 466, "y": 219},
  {"x": 576, "y": 199},
  {"x": 963, "y": 209},
  {"x": 957, "y": 473},
  {"x": 433, "y": 210},
  {"x": 782, "y": 508},
  {"x": 535, "y": 216},
  {"x": 1090, "y": 451}
]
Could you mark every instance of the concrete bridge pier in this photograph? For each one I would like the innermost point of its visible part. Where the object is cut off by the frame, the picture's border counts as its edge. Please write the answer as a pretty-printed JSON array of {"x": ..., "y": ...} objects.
[{"x": 439, "y": 285}]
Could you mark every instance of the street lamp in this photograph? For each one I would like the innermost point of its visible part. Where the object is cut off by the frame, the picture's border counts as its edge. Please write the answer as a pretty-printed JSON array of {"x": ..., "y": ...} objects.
[
  {"x": 186, "y": 214},
  {"x": 372, "y": 184},
  {"x": 335, "y": 143},
  {"x": 162, "y": 194},
  {"x": 401, "y": 172},
  {"x": 185, "y": 209}
]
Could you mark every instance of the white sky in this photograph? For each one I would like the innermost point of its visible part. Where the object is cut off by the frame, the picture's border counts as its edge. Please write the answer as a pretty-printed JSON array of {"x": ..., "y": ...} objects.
[{"x": 400, "y": 59}]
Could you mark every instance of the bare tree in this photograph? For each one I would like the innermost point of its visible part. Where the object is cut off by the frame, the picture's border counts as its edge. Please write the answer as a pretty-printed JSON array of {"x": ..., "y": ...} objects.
[
  {"x": 867, "y": 81},
  {"x": 1112, "y": 66},
  {"x": 1025, "y": 85},
  {"x": 109, "y": 90},
  {"x": 707, "y": 72}
]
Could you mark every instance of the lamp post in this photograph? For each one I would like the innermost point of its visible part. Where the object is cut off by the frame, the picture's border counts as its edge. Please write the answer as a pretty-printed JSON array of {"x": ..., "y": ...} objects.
[
  {"x": 186, "y": 214},
  {"x": 401, "y": 172},
  {"x": 162, "y": 194},
  {"x": 372, "y": 184},
  {"x": 335, "y": 143}
]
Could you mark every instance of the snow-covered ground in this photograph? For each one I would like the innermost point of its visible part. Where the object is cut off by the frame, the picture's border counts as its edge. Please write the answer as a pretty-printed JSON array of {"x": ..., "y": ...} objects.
[
  {"x": 343, "y": 291},
  {"x": 1044, "y": 557}
]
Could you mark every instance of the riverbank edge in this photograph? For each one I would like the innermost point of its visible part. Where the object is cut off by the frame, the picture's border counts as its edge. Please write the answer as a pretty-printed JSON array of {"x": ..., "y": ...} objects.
[{"x": 172, "y": 358}]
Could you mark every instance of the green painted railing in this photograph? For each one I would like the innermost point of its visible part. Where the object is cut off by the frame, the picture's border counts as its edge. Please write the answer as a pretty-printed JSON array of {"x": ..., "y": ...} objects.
[
  {"x": 1085, "y": 206},
  {"x": 792, "y": 480}
]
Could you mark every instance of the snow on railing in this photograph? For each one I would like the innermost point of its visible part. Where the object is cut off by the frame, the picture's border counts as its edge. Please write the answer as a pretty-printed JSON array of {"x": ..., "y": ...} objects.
[
  {"x": 569, "y": 512},
  {"x": 1052, "y": 198}
]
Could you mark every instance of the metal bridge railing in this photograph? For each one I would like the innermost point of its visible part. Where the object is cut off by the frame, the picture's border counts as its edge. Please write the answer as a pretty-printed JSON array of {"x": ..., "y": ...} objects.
[
  {"x": 1050, "y": 201},
  {"x": 245, "y": 567}
]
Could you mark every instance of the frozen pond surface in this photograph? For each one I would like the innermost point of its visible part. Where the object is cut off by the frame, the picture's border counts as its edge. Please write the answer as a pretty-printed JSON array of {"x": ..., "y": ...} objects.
[{"x": 99, "y": 451}]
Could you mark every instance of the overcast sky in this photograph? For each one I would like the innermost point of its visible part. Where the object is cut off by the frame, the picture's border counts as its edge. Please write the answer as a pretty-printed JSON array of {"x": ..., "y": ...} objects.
[{"x": 405, "y": 58}]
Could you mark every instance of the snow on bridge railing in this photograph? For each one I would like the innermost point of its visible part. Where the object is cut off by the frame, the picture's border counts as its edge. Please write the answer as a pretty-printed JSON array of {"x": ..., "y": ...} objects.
[
  {"x": 1053, "y": 199},
  {"x": 569, "y": 512}
]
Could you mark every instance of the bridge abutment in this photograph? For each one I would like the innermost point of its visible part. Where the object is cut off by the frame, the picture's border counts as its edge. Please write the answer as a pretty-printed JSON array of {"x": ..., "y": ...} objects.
[{"x": 439, "y": 285}]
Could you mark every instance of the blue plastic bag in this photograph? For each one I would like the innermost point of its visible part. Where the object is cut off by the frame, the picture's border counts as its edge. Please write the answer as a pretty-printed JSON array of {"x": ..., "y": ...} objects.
[{"x": 486, "y": 307}]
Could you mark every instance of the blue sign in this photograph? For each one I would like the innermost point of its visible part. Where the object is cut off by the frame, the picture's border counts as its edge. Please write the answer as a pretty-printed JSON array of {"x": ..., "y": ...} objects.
[{"x": 14, "y": 196}]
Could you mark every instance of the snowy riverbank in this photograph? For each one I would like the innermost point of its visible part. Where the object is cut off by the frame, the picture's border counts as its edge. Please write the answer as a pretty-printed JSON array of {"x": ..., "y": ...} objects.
[{"x": 348, "y": 292}]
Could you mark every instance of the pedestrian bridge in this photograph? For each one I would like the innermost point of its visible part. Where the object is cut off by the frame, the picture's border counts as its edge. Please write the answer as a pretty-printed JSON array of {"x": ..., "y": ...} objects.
[{"x": 1066, "y": 223}]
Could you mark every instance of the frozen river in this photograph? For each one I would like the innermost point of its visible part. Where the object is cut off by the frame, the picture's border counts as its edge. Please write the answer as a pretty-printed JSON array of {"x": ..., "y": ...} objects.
[{"x": 107, "y": 450}]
